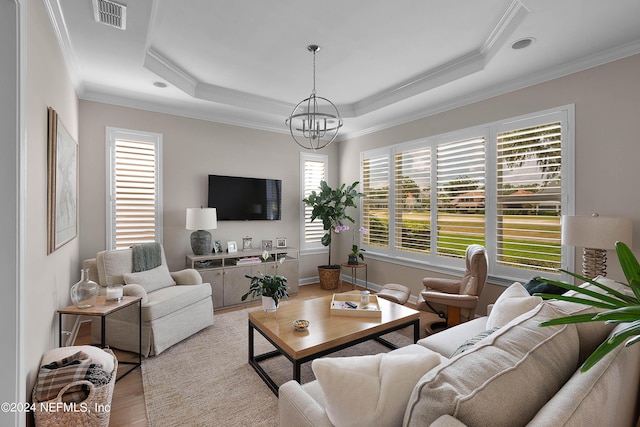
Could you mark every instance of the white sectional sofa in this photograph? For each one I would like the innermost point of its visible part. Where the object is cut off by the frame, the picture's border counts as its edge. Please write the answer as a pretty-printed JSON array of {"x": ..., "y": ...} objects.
[
  {"x": 518, "y": 374},
  {"x": 175, "y": 305}
]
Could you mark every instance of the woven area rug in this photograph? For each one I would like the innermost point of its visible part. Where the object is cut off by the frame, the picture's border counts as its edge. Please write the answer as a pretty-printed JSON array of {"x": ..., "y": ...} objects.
[{"x": 206, "y": 380}]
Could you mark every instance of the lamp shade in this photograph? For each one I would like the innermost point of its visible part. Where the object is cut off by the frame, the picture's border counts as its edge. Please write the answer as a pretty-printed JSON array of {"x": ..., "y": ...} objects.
[
  {"x": 596, "y": 232},
  {"x": 202, "y": 219}
]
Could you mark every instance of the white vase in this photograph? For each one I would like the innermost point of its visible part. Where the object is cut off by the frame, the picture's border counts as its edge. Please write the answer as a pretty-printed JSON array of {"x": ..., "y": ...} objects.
[{"x": 268, "y": 304}]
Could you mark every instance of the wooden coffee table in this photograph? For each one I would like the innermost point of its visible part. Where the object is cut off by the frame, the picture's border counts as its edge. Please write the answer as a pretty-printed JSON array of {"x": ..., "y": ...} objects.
[{"x": 326, "y": 334}]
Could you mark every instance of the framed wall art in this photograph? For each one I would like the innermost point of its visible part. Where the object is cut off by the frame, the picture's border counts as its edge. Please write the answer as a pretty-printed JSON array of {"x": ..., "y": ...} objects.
[{"x": 62, "y": 184}]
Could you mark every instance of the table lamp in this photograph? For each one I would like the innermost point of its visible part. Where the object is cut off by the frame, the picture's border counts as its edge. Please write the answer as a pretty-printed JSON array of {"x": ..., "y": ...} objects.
[
  {"x": 201, "y": 220},
  {"x": 595, "y": 234}
]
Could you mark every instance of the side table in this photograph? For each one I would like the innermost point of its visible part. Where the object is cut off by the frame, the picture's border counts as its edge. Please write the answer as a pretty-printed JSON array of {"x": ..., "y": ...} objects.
[
  {"x": 103, "y": 308},
  {"x": 353, "y": 268}
]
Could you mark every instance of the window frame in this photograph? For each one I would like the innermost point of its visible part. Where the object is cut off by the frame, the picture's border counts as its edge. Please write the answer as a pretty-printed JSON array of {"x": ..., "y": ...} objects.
[
  {"x": 310, "y": 247},
  {"x": 111, "y": 135},
  {"x": 498, "y": 273}
]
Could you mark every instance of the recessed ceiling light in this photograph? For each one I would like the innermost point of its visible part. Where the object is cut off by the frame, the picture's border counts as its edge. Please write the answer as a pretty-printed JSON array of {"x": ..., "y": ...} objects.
[
  {"x": 159, "y": 84},
  {"x": 522, "y": 43}
]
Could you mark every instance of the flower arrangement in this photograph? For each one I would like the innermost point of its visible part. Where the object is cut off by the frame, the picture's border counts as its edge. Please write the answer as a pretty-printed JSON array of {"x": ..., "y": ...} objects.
[
  {"x": 266, "y": 285},
  {"x": 356, "y": 252}
]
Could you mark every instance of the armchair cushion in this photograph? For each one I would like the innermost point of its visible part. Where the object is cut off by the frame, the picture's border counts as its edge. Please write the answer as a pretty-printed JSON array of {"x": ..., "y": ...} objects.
[
  {"x": 151, "y": 280},
  {"x": 513, "y": 302},
  {"x": 376, "y": 386},
  {"x": 462, "y": 301},
  {"x": 450, "y": 286},
  {"x": 188, "y": 276}
]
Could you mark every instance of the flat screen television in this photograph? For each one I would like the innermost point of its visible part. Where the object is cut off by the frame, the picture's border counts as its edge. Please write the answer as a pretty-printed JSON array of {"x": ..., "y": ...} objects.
[{"x": 244, "y": 199}]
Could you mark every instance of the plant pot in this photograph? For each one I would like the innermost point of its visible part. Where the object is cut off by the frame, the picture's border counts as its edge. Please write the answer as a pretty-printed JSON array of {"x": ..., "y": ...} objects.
[
  {"x": 268, "y": 304},
  {"x": 353, "y": 259},
  {"x": 329, "y": 276}
]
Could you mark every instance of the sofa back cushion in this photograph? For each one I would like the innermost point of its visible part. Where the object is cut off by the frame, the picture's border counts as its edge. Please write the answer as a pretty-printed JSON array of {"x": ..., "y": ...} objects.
[
  {"x": 113, "y": 264},
  {"x": 505, "y": 379},
  {"x": 590, "y": 334}
]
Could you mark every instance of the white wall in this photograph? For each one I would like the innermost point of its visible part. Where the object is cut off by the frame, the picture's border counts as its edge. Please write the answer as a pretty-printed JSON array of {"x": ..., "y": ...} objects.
[
  {"x": 11, "y": 98},
  {"x": 193, "y": 149},
  {"x": 607, "y": 107},
  {"x": 48, "y": 278}
]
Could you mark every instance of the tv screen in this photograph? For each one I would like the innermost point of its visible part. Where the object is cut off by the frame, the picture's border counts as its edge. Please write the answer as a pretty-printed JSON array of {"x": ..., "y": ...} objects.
[{"x": 243, "y": 199}]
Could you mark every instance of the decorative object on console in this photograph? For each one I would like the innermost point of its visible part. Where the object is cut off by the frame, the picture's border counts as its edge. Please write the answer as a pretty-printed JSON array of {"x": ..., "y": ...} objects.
[
  {"x": 615, "y": 306},
  {"x": 232, "y": 247},
  {"x": 246, "y": 243},
  {"x": 272, "y": 288},
  {"x": 331, "y": 207},
  {"x": 315, "y": 121},
  {"x": 281, "y": 242},
  {"x": 267, "y": 245},
  {"x": 201, "y": 220},
  {"x": 217, "y": 247},
  {"x": 595, "y": 234},
  {"x": 85, "y": 292}
]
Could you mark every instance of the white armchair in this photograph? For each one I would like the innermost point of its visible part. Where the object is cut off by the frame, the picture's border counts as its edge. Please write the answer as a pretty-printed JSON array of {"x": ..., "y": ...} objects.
[{"x": 175, "y": 305}]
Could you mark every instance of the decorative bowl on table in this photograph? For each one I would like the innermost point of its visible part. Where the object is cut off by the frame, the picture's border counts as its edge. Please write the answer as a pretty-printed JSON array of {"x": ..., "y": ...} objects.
[{"x": 300, "y": 324}]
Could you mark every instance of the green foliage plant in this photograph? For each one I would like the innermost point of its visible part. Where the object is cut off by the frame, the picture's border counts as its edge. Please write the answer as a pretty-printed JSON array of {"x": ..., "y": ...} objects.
[
  {"x": 618, "y": 307},
  {"x": 330, "y": 205},
  {"x": 266, "y": 285}
]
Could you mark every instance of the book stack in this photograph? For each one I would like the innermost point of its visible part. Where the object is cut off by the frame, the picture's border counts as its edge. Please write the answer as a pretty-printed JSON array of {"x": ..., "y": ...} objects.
[{"x": 249, "y": 260}]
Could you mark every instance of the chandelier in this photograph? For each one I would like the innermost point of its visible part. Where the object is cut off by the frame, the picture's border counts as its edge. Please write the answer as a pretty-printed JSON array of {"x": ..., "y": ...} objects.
[{"x": 315, "y": 121}]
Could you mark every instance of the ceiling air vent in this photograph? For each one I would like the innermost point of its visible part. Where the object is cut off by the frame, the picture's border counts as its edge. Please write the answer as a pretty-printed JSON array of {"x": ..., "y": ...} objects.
[{"x": 110, "y": 13}]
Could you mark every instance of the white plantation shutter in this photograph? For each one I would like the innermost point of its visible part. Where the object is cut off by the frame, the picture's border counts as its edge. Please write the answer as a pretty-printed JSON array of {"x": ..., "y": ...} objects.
[
  {"x": 412, "y": 199},
  {"x": 314, "y": 170},
  {"x": 375, "y": 206},
  {"x": 461, "y": 195},
  {"x": 134, "y": 208},
  {"x": 529, "y": 197}
]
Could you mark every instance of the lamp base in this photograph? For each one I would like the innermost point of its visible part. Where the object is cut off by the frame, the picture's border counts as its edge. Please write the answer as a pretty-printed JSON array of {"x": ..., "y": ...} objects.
[
  {"x": 594, "y": 262},
  {"x": 201, "y": 242}
]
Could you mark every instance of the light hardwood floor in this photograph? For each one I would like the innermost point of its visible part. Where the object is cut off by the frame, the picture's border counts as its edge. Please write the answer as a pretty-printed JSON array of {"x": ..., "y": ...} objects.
[{"x": 128, "y": 406}]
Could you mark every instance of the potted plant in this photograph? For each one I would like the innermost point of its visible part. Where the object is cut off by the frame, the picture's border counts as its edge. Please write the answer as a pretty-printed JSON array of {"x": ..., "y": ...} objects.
[
  {"x": 330, "y": 205},
  {"x": 272, "y": 288},
  {"x": 618, "y": 307},
  {"x": 356, "y": 252}
]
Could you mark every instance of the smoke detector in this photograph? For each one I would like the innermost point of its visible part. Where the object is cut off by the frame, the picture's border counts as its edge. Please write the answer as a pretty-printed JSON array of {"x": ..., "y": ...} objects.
[{"x": 110, "y": 13}]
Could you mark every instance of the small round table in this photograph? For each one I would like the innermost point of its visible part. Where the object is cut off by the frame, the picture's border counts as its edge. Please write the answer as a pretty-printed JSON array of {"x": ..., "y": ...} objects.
[{"x": 353, "y": 268}]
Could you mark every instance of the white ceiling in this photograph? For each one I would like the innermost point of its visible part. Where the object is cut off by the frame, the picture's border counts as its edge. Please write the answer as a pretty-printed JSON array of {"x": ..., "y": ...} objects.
[{"x": 382, "y": 62}]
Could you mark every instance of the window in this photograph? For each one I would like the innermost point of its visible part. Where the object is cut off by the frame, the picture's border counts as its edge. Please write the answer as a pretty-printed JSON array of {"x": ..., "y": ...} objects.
[
  {"x": 503, "y": 185},
  {"x": 134, "y": 208},
  {"x": 313, "y": 170}
]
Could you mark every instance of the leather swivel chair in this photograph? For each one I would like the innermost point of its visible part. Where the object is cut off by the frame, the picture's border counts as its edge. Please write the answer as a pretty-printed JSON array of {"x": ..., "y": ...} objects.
[{"x": 459, "y": 295}]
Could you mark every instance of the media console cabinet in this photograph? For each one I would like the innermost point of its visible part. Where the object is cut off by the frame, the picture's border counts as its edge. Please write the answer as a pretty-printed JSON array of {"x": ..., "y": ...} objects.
[{"x": 226, "y": 272}]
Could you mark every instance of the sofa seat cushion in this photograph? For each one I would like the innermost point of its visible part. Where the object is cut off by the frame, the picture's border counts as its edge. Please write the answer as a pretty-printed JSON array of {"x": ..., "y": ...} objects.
[
  {"x": 151, "y": 280},
  {"x": 503, "y": 380},
  {"x": 168, "y": 300},
  {"x": 372, "y": 389},
  {"x": 449, "y": 340}
]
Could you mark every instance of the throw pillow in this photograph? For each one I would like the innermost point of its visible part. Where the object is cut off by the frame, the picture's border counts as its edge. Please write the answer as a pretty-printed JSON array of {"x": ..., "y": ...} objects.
[
  {"x": 513, "y": 302},
  {"x": 151, "y": 280},
  {"x": 535, "y": 286},
  {"x": 370, "y": 390}
]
